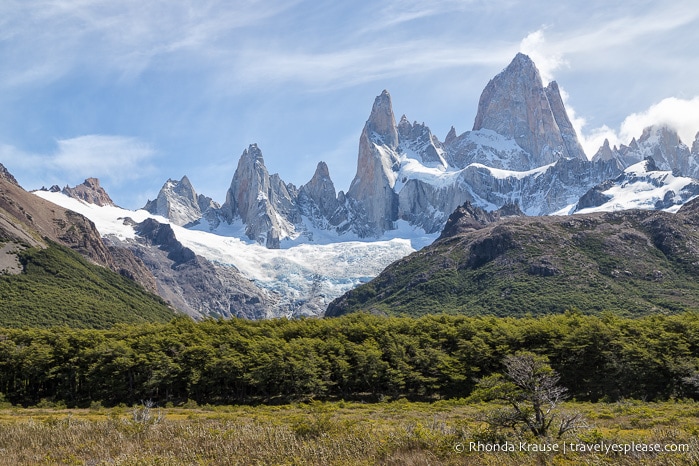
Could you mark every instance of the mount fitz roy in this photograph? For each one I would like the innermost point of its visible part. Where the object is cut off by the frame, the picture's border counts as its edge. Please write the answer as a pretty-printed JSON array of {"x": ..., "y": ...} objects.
[
  {"x": 522, "y": 154},
  {"x": 522, "y": 149}
]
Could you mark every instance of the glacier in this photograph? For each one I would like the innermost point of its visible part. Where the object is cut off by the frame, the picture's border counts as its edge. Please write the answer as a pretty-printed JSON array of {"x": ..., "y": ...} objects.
[{"x": 323, "y": 269}]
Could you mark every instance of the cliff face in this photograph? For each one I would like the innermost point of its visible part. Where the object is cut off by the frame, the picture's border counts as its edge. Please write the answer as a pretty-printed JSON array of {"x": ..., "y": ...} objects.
[
  {"x": 372, "y": 187},
  {"x": 264, "y": 204},
  {"x": 516, "y": 105},
  {"x": 180, "y": 203}
]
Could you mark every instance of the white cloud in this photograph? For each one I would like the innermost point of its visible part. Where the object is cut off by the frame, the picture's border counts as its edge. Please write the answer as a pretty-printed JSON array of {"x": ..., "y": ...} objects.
[
  {"x": 547, "y": 60},
  {"x": 682, "y": 115},
  {"x": 117, "y": 158},
  {"x": 114, "y": 159},
  {"x": 679, "y": 114}
]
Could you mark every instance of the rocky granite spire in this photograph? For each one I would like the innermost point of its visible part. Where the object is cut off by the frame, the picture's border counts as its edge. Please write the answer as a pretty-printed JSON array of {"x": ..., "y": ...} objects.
[
  {"x": 263, "y": 202},
  {"x": 570, "y": 137},
  {"x": 381, "y": 125},
  {"x": 372, "y": 188},
  {"x": 516, "y": 105},
  {"x": 605, "y": 152},
  {"x": 320, "y": 191}
]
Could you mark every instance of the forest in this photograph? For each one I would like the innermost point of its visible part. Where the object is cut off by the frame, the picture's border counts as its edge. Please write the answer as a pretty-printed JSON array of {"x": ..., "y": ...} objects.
[{"x": 358, "y": 357}]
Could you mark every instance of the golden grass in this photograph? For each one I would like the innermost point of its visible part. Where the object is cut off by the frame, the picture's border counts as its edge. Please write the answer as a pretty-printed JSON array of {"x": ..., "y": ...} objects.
[{"x": 397, "y": 433}]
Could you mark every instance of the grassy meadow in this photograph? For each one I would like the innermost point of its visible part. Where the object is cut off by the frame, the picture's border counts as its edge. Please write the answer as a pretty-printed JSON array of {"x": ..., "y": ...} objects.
[{"x": 332, "y": 433}]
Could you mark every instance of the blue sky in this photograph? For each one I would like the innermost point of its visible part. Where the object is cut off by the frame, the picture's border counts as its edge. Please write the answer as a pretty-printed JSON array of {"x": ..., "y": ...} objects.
[{"x": 135, "y": 92}]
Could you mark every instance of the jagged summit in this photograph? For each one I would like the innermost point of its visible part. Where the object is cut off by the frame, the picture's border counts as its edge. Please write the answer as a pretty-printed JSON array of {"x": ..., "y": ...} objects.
[
  {"x": 381, "y": 124},
  {"x": 263, "y": 203},
  {"x": 179, "y": 202},
  {"x": 89, "y": 191},
  {"x": 660, "y": 142},
  {"x": 570, "y": 138},
  {"x": 4, "y": 174},
  {"x": 516, "y": 105}
]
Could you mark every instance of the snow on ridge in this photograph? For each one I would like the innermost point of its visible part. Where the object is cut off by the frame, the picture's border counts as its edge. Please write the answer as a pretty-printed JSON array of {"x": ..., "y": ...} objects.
[
  {"x": 413, "y": 169},
  {"x": 502, "y": 173},
  {"x": 490, "y": 139}
]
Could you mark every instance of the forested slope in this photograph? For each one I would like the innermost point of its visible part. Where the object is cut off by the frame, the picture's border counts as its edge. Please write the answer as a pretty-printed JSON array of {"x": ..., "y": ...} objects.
[
  {"x": 630, "y": 262},
  {"x": 58, "y": 287}
]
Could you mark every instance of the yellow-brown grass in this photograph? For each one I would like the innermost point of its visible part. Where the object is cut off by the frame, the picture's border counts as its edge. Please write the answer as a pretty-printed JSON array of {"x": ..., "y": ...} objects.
[{"x": 398, "y": 433}]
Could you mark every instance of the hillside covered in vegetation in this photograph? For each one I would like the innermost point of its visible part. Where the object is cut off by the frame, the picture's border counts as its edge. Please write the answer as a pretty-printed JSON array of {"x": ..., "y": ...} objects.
[
  {"x": 58, "y": 287},
  {"x": 629, "y": 262}
]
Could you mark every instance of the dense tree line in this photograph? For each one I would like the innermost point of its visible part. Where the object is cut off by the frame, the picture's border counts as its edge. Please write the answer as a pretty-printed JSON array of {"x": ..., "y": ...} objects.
[{"x": 356, "y": 356}]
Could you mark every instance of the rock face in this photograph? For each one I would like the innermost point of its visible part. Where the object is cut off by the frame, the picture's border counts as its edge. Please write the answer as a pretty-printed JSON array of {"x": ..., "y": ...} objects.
[
  {"x": 190, "y": 282},
  {"x": 317, "y": 200},
  {"x": 90, "y": 191},
  {"x": 515, "y": 104},
  {"x": 371, "y": 191},
  {"x": 179, "y": 202},
  {"x": 560, "y": 115},
  {"x": 262, "y": 202}
]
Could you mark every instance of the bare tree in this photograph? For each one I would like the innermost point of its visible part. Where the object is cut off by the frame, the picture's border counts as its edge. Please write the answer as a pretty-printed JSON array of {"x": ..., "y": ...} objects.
[{"x": 530, "y": 389}]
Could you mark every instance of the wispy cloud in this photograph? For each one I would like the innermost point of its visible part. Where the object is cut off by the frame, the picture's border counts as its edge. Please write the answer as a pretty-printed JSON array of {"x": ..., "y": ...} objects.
[
  {"x": 323, "y": 71},
  {"x": 397, "y": 12},
  {"x": 115, "y": 159},
  {"x": 546, "y": 59},
  {"x": 603, "y": 42},
  {"x": 45, "y": 40}
]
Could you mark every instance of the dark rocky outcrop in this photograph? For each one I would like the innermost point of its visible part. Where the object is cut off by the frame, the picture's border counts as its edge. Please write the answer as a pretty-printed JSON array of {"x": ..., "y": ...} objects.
[
  {"x": 89, "y": 191},
  {"x": 193, "y": 284}
]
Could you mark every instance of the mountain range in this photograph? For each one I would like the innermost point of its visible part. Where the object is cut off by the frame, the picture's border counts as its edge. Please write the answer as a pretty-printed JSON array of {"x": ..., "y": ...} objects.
[{"x": 275, "y": 249}]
